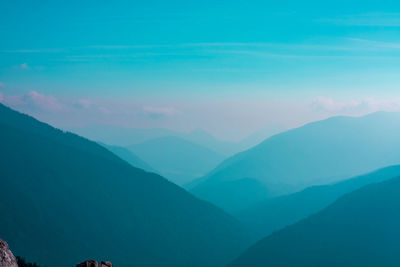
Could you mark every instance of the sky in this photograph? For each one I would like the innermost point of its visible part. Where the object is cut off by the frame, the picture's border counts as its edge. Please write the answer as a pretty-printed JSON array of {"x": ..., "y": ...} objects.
[{"x": 228, "y": 67}]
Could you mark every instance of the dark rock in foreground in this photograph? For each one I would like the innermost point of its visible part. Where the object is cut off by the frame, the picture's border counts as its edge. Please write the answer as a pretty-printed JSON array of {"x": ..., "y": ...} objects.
[{"x": 7, "y": 259}]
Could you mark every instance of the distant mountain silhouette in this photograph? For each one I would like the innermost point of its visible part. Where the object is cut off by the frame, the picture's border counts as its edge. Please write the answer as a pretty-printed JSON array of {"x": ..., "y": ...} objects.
[
  {"x": 65, "y": 199},
  {"x": 260, "y": 135},
  {"x": 275, "y": 213},
  {"x": 227, "y": 193},
  {"x": 359, "y": 229},
  {"x": 177, "y": 159},
  {"x": 124, "y": 137},
  {"x": 130, "y": 157},
  {"x": 317, "y": 153}
]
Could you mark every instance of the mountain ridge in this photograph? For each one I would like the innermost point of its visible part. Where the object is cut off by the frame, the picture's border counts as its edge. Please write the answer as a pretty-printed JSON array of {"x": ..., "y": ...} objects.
[
  {"x": 71, "y": 191},
  {"x": 274, "y": 214},
  {"x": 358, "y": 229},
  {"x": 316, "y": 153}
]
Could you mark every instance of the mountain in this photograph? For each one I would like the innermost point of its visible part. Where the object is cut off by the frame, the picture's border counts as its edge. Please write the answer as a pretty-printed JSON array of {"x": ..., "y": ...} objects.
[
  {"x": 226, "y": 194},
  {"x": 129, "y": 157},
  {"x": 225, "y": 148},
  {"x": 260, "y": 135},
  {"x": 124, "y": 137},
  {"x": 359, "y": 229},
  {"x": 177, "y": 159},
  {"x": 207, "y": 140},
  {"x": 275, "y": 213},
  {"x": 317, "y": 153},
  {"x": 65, "y": 197}
]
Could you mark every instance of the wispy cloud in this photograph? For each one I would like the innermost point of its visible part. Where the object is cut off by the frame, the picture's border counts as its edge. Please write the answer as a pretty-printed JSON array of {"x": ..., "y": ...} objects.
[
  {"x": 34, "y": 101},
  {"x": 155, "y": 112},
  {"x": 377, "y": 19},
  {"x": 343, "y": 48},
  {"x": 363, "y": 105},
  {"x": 375, "y": 44},
  {"x": 32, "y": 51},
  {"x": 84, "y": 103},
  {"x": 23, "y": 66},
  {"x": 329, "y": 104},
  {"x": 42, "y": 101}
]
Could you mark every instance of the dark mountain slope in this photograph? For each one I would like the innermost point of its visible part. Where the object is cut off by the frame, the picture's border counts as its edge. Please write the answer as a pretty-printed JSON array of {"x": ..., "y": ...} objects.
[
  {"x": 275, "y": 213},
  {"x": 64, "y": 197},
  {"x": 359, "y": 229}
]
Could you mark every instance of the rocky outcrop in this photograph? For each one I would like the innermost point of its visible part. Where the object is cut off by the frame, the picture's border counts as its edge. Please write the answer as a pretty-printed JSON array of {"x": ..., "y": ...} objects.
[
  {"x": 7, "y": 259},
  {"x": 93, "y": 263}
]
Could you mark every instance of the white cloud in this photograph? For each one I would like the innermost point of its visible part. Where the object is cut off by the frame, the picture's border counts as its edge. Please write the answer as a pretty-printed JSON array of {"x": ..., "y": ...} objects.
[
  {"x": 1, "y": 97},
  {"x": 159, "y": 112},
  {"x": 45, "y": 102},
  {"x": 84, "y": 103},
  {"x": 34, "y": 101},
  {"x": 329, "y": 104},
  {"x": 364, "y": 105}
]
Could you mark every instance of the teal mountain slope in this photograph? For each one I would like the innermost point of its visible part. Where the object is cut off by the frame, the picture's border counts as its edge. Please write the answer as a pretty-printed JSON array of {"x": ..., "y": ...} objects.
[
  {"x": 359, "y": 229},
  {"x": 177, "y": 159},
  {"x": 129, "y": 157},
  {"x": 65, "y": 199},
  {"x": 317, "y": 153},
  {"x": 275, "y": 213}
]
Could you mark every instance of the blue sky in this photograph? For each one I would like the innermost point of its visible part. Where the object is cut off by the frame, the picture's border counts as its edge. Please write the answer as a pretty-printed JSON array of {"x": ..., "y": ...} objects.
[{"x": 229, "y": 67}]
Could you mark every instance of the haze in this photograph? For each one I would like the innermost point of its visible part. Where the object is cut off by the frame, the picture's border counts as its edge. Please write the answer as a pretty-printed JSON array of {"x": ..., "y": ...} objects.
[{"x": 230, "y": 68}]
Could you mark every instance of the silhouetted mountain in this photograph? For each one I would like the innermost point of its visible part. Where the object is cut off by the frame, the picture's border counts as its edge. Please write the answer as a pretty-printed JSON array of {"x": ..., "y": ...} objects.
[
  {"x": 131, "y": 136},
  {"x": 129, "y": 157},
  {"x": 317, "y": 153},
  {"x": 275, "y": 213},
  {"x": 260, "y": 136},
  {"x": 227, "y": 193},
  {"x": 225, "y": 148},
  {"x": 65, "y": 197},
  {"x": 177, "y": 159},
  {"x": 359, "y": 229}
]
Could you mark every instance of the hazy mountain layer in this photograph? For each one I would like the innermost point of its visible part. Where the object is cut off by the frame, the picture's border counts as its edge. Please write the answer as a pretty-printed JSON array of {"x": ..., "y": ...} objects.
[
  {"x": 274, "y": 214},
  {"x": 130, "y": 136},
  {"x": 177, "y": 159},
  {"x": 317, "y": 153},
  {"x": 359, "y": 229},
  {"x": 65, "y": 199},
  {"x": 131, "y": 158}
]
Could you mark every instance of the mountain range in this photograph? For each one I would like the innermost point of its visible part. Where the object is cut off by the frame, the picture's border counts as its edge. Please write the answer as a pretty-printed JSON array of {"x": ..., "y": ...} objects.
[
  {"x": 317, "y": 153},
  {"x": 177, "y": 159},
  {"x": 130, "y": 157},
  {"x": 124, "y": 137},
  {"x": 359, "y": 229},
  {"x": 276, "y": 213},
  {"x": 65, "y": 197}
]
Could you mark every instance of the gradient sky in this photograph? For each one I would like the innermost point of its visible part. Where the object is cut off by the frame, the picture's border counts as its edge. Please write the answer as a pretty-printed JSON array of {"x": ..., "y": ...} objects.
[{"x": 229, "y": 67}]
